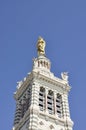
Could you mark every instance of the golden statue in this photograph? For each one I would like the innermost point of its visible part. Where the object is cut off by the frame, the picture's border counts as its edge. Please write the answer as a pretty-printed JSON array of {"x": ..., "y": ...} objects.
[{"x": 41, "y": 46}]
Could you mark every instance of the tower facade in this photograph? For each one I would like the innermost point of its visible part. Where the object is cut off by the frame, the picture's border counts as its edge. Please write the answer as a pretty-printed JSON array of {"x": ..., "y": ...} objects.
[{"x": 41, "y": 98}]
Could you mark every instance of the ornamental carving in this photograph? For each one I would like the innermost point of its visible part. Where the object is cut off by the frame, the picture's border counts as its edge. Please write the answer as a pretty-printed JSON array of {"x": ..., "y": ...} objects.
[
  {"x": 41, "y": 123},
  {"x": 51, "y": 126}
]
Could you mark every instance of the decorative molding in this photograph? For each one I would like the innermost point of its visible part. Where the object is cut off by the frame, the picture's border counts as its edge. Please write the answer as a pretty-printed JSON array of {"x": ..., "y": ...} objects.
[
  {"x": 53, "y": 80},
  {"x": 51, "y": 127},
  {"x": 41, "y": 123},
  {"x": 46, "y": 118}
]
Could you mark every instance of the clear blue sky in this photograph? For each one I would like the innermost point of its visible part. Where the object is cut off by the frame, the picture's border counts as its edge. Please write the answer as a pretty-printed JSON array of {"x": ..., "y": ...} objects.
[{"x": 62, "y": 23}]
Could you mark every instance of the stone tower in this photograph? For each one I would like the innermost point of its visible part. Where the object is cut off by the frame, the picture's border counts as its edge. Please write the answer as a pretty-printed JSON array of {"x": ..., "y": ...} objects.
[{"x": 41, "y": 98}]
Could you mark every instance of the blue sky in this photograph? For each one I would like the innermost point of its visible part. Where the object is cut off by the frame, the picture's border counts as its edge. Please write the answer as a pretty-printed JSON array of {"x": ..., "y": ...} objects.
[{"x": 63, "y": 25}]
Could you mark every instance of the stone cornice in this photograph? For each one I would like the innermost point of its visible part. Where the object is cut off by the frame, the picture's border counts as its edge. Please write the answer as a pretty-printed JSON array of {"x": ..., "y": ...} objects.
[
  {"x": 52, "y": 80},
  {"x": 38, "y": 75}
]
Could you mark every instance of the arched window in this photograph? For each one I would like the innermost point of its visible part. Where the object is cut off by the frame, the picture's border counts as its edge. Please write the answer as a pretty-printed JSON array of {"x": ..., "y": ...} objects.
[
  {"x": 42, "y": 99},
  {"x": 22, "y": 105},
  {"x": 18, "y": 113},
  {"x": 59, "y": 105},
  {"x": 50, "y": 102},
  {"x": 26, "y": 101},
  {"x": 29, "y": 93}
]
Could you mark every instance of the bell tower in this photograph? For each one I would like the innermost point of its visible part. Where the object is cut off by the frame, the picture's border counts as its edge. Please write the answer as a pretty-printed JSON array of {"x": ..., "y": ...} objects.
[{"x": 41, "y": 98}]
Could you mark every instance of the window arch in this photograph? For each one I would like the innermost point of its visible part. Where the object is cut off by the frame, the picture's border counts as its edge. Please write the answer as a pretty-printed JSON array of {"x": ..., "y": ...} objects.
[
  {"x": 26, "y": 101},
  {"x": 50, "y": 102},
  {"x": 42, "y": 98},
  {"x": 59, "y": 105}
]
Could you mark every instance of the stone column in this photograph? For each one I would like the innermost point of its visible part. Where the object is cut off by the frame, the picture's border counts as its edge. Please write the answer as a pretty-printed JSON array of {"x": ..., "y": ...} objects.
[
  {"x": 34, "y": 108},
  {"x": 35, "y": 96},
  {"x": 46, "y": 93},
  {"x": 66, "y": 106},
  {"x": 55, "y": 112},
  {"x": 66, "y": 112}
]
